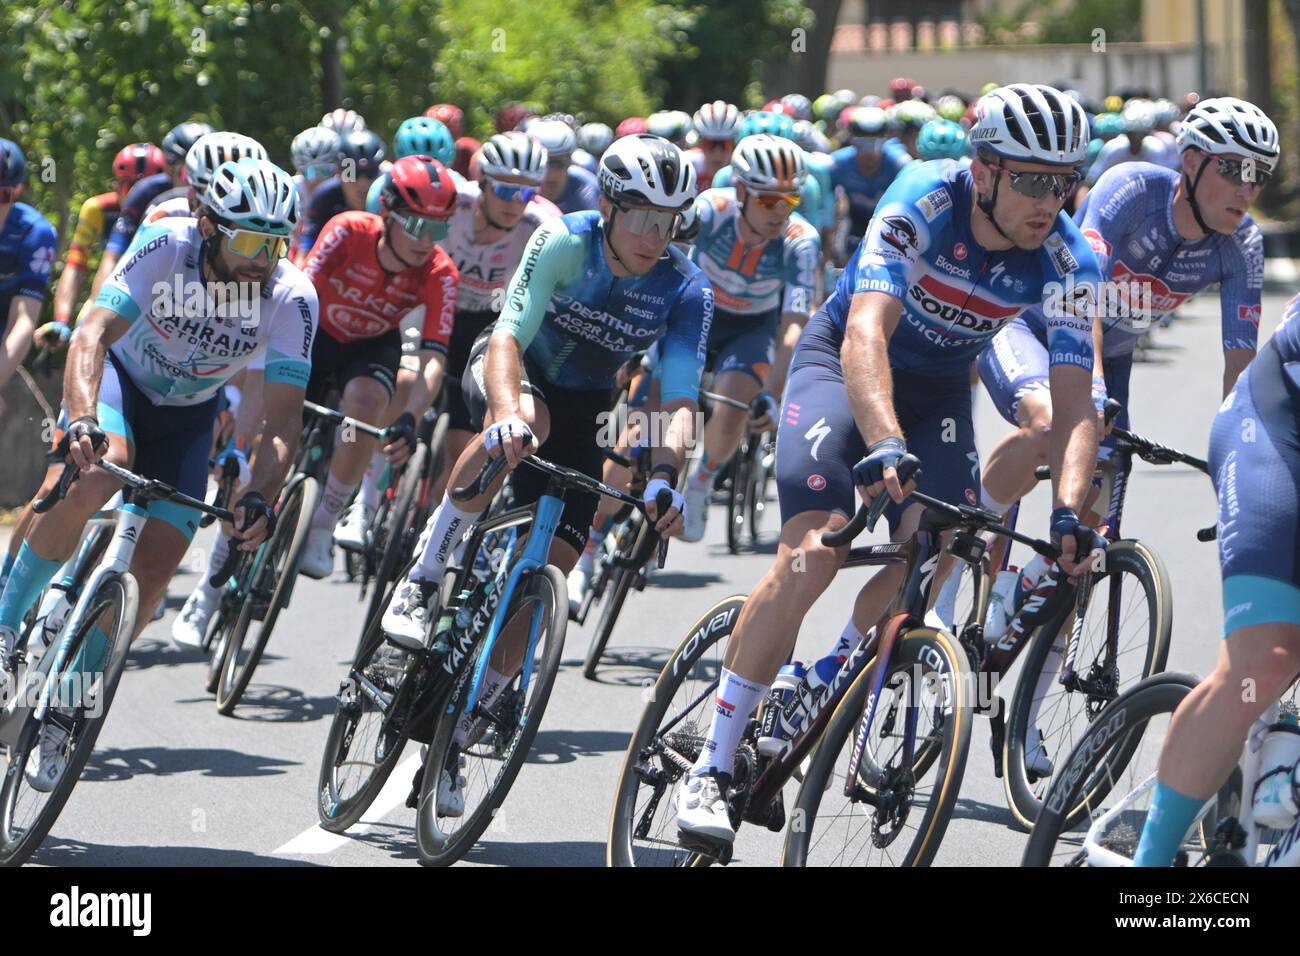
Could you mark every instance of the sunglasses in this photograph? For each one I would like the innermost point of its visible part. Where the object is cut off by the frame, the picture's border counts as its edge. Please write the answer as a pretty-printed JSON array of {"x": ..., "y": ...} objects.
[
  {"x": 512, "y": 192},
  {"x": 422, "y": 228},
  {"x": 1239, "y": 173},
  {"x": 8, "y": 194},
  {"x": 771, "y": 201},
  {"x": 642, "y": 221},
  {"x": 872, "y": 144},
  {"x": 249, "y": 244},
  {"x": 1038, "y": 185}
]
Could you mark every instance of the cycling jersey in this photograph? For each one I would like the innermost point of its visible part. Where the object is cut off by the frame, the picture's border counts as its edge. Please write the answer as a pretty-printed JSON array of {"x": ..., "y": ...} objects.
[
  {"x": 780, "y": 274},
  {"x": 181, "y": 347},
  {"x": 956, "y": 295},
  {"x": 810, "y": 194},
  {"x": 359, "y": 300},
  {"x": 864, "y": 190},
  {"x": 326, "y": 203},
  {"x": 175, "y": 206},
  {"x": 581, "y": 191},
  {"x": 94, "y": 223},
  {"x": 585, "y": 160},
  {"x": 1129, "y": 221},
  {"x": 137, "y": 200},
  {"x": 485, "y": 268},
  {"x": 821, "y": 215},
  {"x": 578, "y": 323},
  {"x": 167, "y": 196},
  {"x": 1116, "y": 152},
  {"x": 27, "y": 242}
]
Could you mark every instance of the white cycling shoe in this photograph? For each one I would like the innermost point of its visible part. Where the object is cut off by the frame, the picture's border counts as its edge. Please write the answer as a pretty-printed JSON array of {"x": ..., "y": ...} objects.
[
  {"x": 579, "y": 585},
  {"x": 406, "y": 619},
  {"x": 46, "y": 765},
  {"x": 350, "y": 532},
  {"x": 451, "y": 793},
  {"x": 191, "y": 625},
  {"x": 318, "y": 557},
  {"x": 697, "y": 508},
  {"x": 1036, "y": 760},
  {"x": 702, "y": 808}
]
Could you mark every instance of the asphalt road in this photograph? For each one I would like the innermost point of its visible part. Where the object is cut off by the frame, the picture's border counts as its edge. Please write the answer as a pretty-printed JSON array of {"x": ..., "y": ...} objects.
[{"x": 174, "y": 783}]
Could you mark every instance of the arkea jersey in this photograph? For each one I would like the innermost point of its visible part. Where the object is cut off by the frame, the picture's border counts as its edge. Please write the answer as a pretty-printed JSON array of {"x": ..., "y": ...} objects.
[
  {"x": 1116, "y": 152},
  {"x": 1151, "y": 270},
  {"x": 485, "y": 268},
  {"x": 955, "y": 294},
  {"x": 863, "y": 190},
  {"x": 27, "y": 242},
  {"x": 780, "y": 274},
  {"x": 578, "y": 323},
  {"x": 182, "y": 346},
  {"x": 359, "y": 300}
]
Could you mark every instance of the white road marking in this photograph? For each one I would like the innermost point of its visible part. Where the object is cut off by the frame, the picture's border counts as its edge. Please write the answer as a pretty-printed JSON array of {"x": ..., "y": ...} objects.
[{"x": 315, "y": 841}]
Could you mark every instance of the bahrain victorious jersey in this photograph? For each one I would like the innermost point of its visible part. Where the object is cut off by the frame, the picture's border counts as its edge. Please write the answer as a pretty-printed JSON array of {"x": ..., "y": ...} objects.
[
  {"x": 955, "y": 294},
  {"x": 1152, "y": 270}
]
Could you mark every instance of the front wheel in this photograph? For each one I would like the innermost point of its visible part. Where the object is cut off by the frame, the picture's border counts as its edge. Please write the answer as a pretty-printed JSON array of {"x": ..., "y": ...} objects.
[
  {"x": 616, "y": 587},
  {"x": 912, "y": 757}
]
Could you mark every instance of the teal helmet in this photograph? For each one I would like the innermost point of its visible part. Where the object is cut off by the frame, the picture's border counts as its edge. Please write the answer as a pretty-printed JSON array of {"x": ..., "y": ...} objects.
[
  {"x": 1107, "y": 126},
  {"x": 422, "y": 136},
  {"x": 773, "y": 124},
  {"x": 941, "y": 139},
  {"x": 1094, "y": 150}
]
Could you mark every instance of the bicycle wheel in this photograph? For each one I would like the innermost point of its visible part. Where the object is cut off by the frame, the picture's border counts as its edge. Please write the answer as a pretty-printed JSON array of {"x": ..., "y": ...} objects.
[
  {"x": 26, "y": 814},
  {"x": 742, "y": 466},
  {"x": 621, "y": 579},
  {"x": 643, "y": 821},
  {"x": 363, "y": 746},
  {"x": 759, "y": 483},
  {"x": 1131, "y": 600},
  {"x": 924, "y": 706},
  {"x": 399, "y": 532},
  {"x": 1135, "y": 725},
  {"x": 275, "y": 576},
  {"x": 489, "y": 773},
  {"x": 217, "y": 637}
]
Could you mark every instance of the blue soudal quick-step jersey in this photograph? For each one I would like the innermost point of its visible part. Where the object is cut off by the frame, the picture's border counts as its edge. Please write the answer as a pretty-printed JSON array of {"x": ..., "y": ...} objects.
[
  {"x": 27, "y": 243},
  {"x": 864, "y": 190},
  {"x": 1152, "y": 270},
  {"x": 955, "y": 294},
  {"x": 780, "y": 274},
  {"x": 578, "y": 323}
]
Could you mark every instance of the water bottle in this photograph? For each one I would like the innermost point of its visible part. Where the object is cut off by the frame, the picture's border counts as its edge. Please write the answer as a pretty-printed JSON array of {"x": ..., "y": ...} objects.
[
  {"x": 1004, "y": 588},
  {"x": 809, "y": 691},
  {"x": 1031, "y": 575},
  {"x": 1275, "y": 799},
  {"x": 54, "y": 610},
  {"x": 770, "y": 736}
]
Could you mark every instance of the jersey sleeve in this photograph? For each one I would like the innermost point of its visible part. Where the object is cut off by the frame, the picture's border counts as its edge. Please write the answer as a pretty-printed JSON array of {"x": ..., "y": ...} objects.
[
  {"x": 288, "y": 347},
  {"x": 685, "y": 343},
  {"x": 128, "y": 220},
  {"x": 1070, "y": 296},
  {"x": 553, "y": 257},
  {"x": 34, "y": 261},
  {"x": 1240, "y": 286},
  {"x": 440, "y": 289},
  {"x": 899, "y": 233},
  {"x": 89, "y": 230},
  {"x": 803, "y": 254},
  {"x": 149, "y": 271}
]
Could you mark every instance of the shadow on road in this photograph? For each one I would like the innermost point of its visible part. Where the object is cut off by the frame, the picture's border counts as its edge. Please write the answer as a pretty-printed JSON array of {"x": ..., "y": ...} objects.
[
  {"x": 968, "y": 809},
  {"x": 56, "y": 852},
  {"x": 115, "y": 764},
  {"x": 567, "y": 853},
  {"x": 683, "y": 579},
  {"x": 160, "y": 651},
  {"x": 565, "y": 746},
  {"x": 636, "y": 666},
  {"x": 273, "y": 704}
]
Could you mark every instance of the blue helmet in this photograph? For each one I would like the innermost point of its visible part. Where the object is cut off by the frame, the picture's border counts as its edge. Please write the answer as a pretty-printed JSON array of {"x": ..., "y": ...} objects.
[
  {"x": 773, "y": 124},
  {"x": 13, "y": 164},
  {"x": 422, "y": 136},
  {"x": 942, "y": 139}
]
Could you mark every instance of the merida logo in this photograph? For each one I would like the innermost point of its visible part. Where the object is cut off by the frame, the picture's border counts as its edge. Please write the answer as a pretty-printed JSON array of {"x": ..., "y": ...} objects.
[{"x": 77, "y": 909}]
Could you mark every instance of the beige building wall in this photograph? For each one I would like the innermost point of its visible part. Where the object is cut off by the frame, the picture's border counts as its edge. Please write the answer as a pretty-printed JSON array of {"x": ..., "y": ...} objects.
[{"x": 1174, "y": 21}]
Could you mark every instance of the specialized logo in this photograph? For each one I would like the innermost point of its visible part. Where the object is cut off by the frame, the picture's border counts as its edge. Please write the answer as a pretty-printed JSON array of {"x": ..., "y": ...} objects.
[
  {"x": 817, "y": 434},
  {"x": 899, "y": 232},
  {"x": 816, "y": 482}
]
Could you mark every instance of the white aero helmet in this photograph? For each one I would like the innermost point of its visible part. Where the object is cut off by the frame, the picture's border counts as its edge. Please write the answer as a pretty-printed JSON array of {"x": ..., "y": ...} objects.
[
  {"x": 316, "y": 145},
  {"x": 644, "y": 169},
  {"x": 1227, "y": 125},
  {"x": 343, "y": 121},
  {"x": 557, "y": 136},
  {"x": 1031, "y": 122},
  {"x": 717, "y": 120},
  {"x": 670, "y": 124},
  {"x": 1139, "y": 116},
  {"x": 769, "y": 162},
  {"x": 254, "y": 194},
  {"x": 595, "y": 138},
  {"x": 513, "y": 155},
  {"x": 212, "y": 149}
]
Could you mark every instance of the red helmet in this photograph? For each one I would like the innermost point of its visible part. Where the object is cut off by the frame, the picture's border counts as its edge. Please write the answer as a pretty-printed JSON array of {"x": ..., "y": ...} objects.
[
  {"x": 510, "y": 116},
  {"x": 453, "y": 117},
  {"x": 900, "y": 88},
  {"x": 134, "y": 162},
  {"x": 422, "y": 185},
  {"x": 631, "y": 126}
]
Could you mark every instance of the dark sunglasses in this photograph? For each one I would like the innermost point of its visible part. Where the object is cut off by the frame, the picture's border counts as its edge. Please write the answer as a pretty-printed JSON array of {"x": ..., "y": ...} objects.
[
  {"x": 711, "y": 144},
  {"x": 512, "y": 192},
  {"x": 1038, "y": 185},
  {"x": 1243, "y": 172}
]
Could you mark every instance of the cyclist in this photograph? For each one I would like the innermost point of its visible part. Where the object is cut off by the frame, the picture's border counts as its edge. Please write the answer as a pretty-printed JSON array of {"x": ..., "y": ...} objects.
[
  {"x": 94, "y": 224},
  {"x": 906, "y": 120},
  {"x": 343, "y": 121},
  {"x": 864, "y": 170},
  {"x": 672, "y": 125},
  {"x": 315, "y": 153},
  {"x": 943, "y": 139},
  {"x": 953, "y": 253},
  {"x": 361, "y": 157},
  {"x": 569, "y": 186},
  {"x": 417, "y": 136},
  {"x": 175, "y": 145},
  {"x": 142, "y": 376},
  {"x": 717, "y": 125},
  {"x": 201, "y": 163},
  {"x": 1255, "y": 460},
  {"x": 1138, "y": 145},
  {"x": 595, "y": 138}
]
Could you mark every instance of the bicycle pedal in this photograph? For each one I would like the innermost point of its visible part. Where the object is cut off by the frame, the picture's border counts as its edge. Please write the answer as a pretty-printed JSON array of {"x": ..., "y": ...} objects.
[{"x": 719, "y": 850}]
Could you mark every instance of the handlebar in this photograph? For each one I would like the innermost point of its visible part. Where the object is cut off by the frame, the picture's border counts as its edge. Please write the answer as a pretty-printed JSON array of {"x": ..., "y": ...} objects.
[
  {"x": 225, "y": 488},
  {"x": 146, "y": 489},
  {"x": 337, "y": 416}
]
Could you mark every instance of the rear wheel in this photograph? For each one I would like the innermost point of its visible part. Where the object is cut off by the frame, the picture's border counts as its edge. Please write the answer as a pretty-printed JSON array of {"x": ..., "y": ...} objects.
[
  {"x": 741, "y": 467},
  {"x": 399, "y": 534},
  {"x": 616, "y": 587}
]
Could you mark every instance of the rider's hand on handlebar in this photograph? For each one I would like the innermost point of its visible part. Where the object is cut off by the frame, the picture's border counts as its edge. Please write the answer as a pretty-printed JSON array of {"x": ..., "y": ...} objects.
[
  {"x": 1080, "y": 545},
  {"x": 232, "y": 451},
  {"x": 254, "y": 521},
  {"x": 763, "y": 411},
  {"x": 511, "y": 437},
  {"x": 84, "y": 442},
  {"x": 53, "y": 334},
  {"x": 672, "y": 522},
  {"x": 876, "y": 473},
  {"x": 399, "y": 444}
]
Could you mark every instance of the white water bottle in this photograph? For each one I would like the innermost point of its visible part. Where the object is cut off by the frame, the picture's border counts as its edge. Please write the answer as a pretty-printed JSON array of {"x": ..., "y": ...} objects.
[
  {"x": 54, "y": 609},
  {"x": 1004, "y": 590},
  {"x": 1031, "y": 575},
  {"x": 1275, "y": 792}
]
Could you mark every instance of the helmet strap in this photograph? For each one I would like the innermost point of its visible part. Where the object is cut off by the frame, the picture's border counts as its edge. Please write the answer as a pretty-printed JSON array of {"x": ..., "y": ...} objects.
[
  {"x": 387, "y": 239},
  {"x": 1191, "y": 195},
  {"x": 488, "y": 218},
  {"x": 609, "y": 236},
  {"x": 986, "y": 204}
]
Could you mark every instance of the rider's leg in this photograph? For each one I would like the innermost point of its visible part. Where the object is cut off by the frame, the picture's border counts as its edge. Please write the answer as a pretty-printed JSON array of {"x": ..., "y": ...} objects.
[
  {"x": 366, "y": 399},
  {"x": 1009, "y": 475}
]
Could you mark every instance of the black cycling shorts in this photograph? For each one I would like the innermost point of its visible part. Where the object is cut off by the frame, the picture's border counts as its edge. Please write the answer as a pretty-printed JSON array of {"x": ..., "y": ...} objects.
[{"x": 335, "y": 363}]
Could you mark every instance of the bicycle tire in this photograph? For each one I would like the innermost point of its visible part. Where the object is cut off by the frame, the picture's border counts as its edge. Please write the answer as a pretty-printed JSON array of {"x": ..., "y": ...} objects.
[
  {"x": 289, "y": 540},
  {"x": 760, "y": 481},
  {"x": 1127, "y": 557},
  {"x": 916, "y": 649},
  {"x": 547, "y": 588},
  {"x": 1121, "y": 725},
  {"x": 626, "y": 817},
  {"x": 218, "y": 635},
  {"x": 737, "y": 496},
  {"x": 117, "y": 591},
  {"x": 616, "y": 593}
]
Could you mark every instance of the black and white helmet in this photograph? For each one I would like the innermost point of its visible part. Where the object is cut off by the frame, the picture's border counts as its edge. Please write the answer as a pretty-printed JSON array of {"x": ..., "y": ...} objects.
[
  {"x": 343, "y": 121},
  {"x": 254, "y": 194},
  {"x": 769, "y": 163},
  {"x": 557, "y": 136},
  {"x": 717, "y": 120},
  {"x": 644, "y": 169},
  {"x": 1031, "y": 122},
  {"x": 1227, "y": 125},
  {"x": 212, "y": 149},
  {"x": 316, "y": 145},
  {"x": 513, "y": 155}
]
